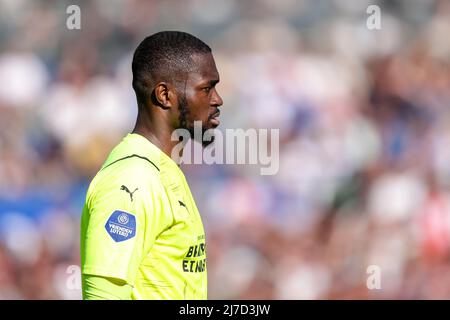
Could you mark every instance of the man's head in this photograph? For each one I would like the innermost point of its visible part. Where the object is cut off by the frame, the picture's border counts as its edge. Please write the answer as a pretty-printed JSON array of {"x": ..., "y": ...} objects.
[{"x": 174, "y": 77}]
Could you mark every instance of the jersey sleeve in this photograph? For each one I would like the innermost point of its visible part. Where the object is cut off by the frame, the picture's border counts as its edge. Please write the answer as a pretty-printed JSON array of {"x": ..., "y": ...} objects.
[
  {"x": 121, "y": 219},
  {"x": 100, "y": 288}
]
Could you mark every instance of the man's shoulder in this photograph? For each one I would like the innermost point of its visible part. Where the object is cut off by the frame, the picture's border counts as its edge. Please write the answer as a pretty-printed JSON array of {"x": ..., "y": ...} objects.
[
  {"x": 132, "y": 163},
  {"x": 132, "y": 168},
  {"x": 133, "y": 147},
  {"x": 126, "y": 169},
  {"x": 132, "y": 157}
]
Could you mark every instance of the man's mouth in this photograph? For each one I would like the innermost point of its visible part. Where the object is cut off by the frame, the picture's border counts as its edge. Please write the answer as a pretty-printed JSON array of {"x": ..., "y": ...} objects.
[{"x": 214, "y": 119}]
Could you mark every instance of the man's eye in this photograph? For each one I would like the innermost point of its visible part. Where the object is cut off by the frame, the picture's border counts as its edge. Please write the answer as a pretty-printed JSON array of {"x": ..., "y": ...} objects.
[{"x": 206, "y": 89}]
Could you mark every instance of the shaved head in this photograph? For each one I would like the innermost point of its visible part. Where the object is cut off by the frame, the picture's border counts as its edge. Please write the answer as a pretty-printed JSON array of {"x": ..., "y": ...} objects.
[{"x": 164, "y": 56}]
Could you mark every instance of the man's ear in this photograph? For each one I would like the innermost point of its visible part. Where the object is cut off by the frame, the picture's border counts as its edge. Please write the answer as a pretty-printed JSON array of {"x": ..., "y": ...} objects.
[{"x": 163, "y": 95}]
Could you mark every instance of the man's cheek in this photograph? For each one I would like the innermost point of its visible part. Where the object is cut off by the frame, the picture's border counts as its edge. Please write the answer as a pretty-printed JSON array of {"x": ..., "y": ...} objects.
[{"x": 203, "y": 118}]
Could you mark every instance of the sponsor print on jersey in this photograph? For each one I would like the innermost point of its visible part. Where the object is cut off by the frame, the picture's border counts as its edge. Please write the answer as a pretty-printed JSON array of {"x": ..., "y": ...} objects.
[
  {"x": 195, "y": 260},
  {"x": 121, "y": 226}
]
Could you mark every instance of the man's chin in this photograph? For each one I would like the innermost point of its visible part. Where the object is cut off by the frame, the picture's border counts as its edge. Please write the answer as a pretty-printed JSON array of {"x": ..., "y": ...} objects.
[{"x": 207, "y": 137}]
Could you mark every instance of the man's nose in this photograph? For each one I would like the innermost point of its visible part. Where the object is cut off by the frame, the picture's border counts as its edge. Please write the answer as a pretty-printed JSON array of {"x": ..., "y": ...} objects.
[{"x": 216, "y": 100}]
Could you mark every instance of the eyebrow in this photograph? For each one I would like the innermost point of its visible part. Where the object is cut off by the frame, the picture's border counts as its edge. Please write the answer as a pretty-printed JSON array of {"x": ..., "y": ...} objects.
[{"x": 212, "y": 83}]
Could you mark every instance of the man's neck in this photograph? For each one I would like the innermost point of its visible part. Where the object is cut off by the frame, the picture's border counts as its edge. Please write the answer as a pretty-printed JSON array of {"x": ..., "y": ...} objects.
[{"x": 157, "y": 132}]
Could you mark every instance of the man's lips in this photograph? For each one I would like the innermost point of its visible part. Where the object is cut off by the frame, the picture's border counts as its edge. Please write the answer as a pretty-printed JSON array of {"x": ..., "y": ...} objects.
[{"x": 214, "y": 119}]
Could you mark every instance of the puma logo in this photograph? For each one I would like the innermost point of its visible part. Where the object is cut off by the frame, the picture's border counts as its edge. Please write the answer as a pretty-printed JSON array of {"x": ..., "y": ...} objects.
[
  {"x": 124, "y": 188},
  {"x": 182, "y": 204}
]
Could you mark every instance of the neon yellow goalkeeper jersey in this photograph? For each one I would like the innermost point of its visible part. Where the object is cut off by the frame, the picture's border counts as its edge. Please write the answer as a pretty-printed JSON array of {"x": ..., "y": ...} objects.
[{"x": 140, "y": 224}]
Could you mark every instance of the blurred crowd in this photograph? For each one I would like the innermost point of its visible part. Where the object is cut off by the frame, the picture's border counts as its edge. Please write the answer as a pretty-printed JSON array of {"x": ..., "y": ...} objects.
[{"x": 364, "y": 120}]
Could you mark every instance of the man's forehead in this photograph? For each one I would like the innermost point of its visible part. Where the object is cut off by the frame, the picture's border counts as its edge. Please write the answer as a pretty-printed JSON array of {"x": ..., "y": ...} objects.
[{"x": 203, "y": 67}]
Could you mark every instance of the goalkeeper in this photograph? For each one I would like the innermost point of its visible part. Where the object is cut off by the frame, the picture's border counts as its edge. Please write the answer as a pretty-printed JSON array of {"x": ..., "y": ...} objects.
[{"x": 142, "y": 236}]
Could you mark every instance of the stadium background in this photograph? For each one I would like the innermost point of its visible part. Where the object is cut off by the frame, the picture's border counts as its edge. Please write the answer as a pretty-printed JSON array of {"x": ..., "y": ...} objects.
[{"x": 364, "y": 141}]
